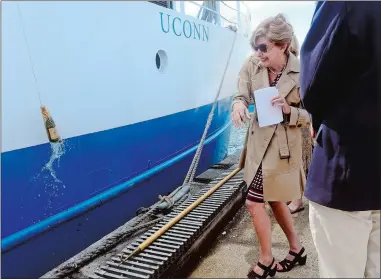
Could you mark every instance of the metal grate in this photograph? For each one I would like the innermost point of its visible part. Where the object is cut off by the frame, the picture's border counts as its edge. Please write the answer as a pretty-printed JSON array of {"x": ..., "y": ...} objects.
[{"x": 158, "y": 256}]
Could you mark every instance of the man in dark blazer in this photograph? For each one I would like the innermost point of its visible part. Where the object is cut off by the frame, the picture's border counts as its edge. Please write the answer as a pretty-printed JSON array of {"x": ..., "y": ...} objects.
[{"x": 340, "y": 83}]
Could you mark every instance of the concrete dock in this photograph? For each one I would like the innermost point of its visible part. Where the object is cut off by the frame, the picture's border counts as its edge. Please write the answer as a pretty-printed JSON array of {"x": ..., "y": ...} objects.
[
  {"x": 226, "y": 248},
  {"x": 236, "y": 249}
]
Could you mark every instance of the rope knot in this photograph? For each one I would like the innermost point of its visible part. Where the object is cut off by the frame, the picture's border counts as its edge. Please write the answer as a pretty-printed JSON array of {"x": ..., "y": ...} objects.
[{"x": 167, "y": 199}]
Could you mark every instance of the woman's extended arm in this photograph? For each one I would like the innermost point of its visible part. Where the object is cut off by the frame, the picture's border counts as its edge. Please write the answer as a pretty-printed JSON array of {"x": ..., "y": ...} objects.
[
  {"x": 241, "y": 101},
  {"x": 244, "y": 88}
]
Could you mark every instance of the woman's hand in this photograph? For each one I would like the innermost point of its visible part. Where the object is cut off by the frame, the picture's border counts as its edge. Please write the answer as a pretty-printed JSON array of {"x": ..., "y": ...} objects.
[
  {"x": 281, "y": 101},
  {"x": 240, "y": 114}
]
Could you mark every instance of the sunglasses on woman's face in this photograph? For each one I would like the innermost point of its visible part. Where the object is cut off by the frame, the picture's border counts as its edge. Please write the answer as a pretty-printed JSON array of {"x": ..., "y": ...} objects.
[{"x": 261, "y": 47}]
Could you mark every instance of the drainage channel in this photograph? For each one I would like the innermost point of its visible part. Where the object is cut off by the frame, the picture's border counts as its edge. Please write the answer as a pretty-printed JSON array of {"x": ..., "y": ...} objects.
[{"x": 157, "y": 257}]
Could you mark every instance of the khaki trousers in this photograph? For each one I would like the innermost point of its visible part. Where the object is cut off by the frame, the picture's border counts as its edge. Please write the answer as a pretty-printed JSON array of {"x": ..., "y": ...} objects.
[{"x": 347, "y": 243}]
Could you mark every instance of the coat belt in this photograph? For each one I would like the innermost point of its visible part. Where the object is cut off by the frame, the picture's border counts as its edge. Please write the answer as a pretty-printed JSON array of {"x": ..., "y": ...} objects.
[{"x": 284, "y": 150}]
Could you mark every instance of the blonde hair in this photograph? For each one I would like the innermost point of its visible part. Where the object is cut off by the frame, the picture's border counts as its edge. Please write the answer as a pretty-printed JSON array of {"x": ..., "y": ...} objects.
[
  {"x": 294, "y": 47},
  {"x": 275, "y": 29}
]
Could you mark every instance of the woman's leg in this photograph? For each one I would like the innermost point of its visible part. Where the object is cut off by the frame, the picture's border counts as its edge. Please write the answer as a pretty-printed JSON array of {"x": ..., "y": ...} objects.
[
  {"x": 262, "y": 226},
  {"x": 261, "y": 221},
  {"x": 284, "y": 219}
]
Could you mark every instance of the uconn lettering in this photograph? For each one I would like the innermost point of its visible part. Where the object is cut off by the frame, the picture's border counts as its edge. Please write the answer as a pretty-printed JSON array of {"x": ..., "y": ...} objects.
[{"x": 187, "y": 29}]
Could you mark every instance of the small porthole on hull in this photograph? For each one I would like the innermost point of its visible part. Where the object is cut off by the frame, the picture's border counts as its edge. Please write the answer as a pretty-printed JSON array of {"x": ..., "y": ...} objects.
[{"x": 161, "y": 60}]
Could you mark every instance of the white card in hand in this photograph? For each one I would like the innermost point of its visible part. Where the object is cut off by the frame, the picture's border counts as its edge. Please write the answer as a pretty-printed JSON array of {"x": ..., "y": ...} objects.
[{"x": 267, "y": 113}]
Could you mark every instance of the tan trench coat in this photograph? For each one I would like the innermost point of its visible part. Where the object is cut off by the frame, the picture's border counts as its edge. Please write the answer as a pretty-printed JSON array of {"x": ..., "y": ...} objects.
[{"x": 278, "y": 147}]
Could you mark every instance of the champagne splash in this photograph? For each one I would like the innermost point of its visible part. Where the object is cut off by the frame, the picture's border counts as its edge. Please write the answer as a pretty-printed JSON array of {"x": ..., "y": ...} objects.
[
  {"x": 52, "y": 184},
  {"x": 57, "y": 150}
]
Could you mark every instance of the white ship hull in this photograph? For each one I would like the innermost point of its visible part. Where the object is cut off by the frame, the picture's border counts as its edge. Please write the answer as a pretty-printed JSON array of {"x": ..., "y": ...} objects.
[{"x": 129, "y": 129}]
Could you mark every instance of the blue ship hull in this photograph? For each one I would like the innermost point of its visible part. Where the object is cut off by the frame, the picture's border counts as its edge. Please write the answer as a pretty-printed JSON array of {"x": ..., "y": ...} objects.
[{"x": 106, "y": 176}]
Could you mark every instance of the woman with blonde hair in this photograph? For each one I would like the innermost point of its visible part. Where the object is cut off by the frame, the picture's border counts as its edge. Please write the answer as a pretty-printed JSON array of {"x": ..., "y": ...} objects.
[
  {"x": 307, "y": 141},
  {"x": 272, "y": 155}
]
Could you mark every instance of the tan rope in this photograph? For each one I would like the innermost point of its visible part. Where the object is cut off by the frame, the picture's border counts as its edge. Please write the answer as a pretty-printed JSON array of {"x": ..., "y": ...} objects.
[{"x": 193, "y": 167}]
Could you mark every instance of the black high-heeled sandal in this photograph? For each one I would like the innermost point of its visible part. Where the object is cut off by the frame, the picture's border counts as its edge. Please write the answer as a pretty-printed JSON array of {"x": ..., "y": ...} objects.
[
  {"x": 267, "y": 271},
  {"x": 288, "y": 265}
]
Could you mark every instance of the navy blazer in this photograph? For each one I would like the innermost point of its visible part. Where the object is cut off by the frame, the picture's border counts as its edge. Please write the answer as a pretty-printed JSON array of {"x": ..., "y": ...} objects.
[{"x": 340, "y": 83}]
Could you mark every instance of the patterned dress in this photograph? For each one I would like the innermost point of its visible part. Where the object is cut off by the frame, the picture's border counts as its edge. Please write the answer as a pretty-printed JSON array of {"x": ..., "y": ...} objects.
[{"x": 255, "y": 193}]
